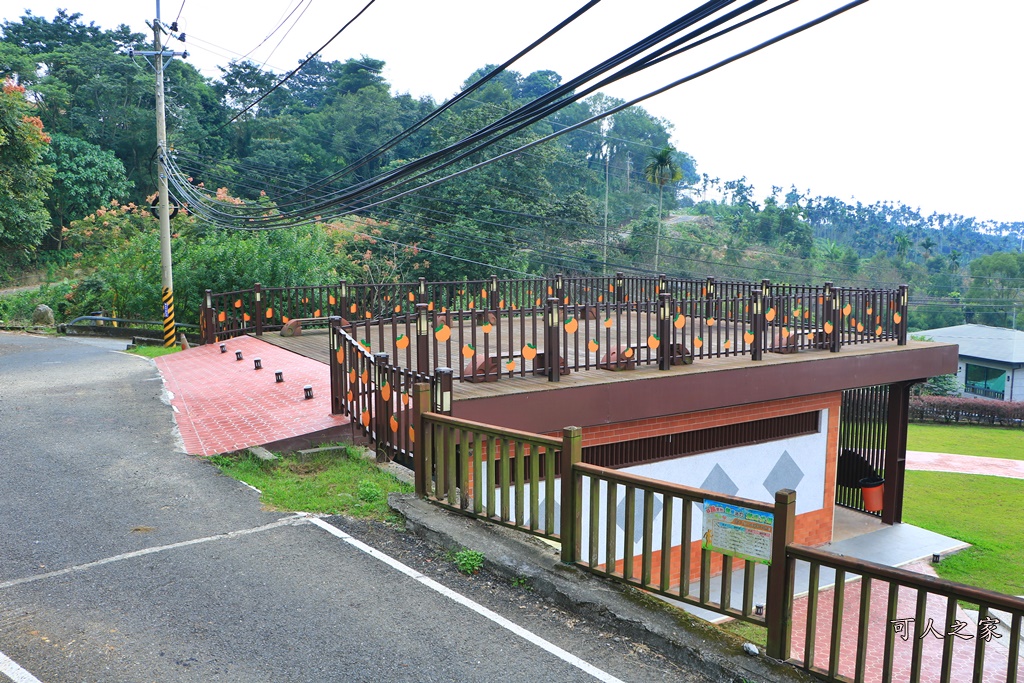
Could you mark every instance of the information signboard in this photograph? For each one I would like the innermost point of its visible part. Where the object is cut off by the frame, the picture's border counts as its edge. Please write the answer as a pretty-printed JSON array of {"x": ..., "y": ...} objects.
[{"x": 738, "y": 531}]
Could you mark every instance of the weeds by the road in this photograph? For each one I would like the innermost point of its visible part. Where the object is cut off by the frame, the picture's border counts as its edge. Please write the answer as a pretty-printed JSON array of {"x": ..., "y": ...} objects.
[
  {"x": 338, "y": 482},
  {"x": 154, "y": 351},
  {"x": 468, "y": 561}
]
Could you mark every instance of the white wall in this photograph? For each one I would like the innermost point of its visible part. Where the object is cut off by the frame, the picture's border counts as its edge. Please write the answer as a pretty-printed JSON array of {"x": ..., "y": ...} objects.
[{"x": 801, "y": 465}]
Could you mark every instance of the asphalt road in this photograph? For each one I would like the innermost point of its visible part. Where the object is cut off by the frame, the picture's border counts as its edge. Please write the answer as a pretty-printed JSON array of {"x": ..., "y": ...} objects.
[{"x": 123, "y": 559}]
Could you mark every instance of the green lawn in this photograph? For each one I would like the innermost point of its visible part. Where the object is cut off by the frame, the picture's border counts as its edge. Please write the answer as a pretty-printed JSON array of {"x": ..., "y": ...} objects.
[
  {"x": 981, "y": 510},
  {"x": 334, "y": 482},
  {"x": 993, "y": 442}
]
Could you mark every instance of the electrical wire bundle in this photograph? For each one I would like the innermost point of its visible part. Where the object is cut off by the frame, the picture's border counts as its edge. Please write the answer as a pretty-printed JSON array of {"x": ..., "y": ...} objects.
[{"x": 320, "y": 201}]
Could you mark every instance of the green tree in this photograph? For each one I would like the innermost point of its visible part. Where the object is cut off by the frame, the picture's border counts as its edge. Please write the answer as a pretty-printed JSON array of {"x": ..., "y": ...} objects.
[
  {"x": 24, "y": 177},
  {"x": 903, "y": 243},
  {"x": 997, "y": 286},
  {"x": 85, "y": 178},
  {"x": 661, "y": 169}
]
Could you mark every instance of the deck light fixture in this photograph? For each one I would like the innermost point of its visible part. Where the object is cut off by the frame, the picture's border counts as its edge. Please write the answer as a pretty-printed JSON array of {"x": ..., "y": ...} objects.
[
  {"x": 223, "y": 348},
  {"x": 307, "y": 391},
  {"x": 422, "y": 324},
  {"x": 238, "y": 355},
  {"x": 759, "y": 609},
  {"x": 553, "y": 312},
  {"x": 279, "y": 375},
  {"x": 936, "y": 558},
  {"x": 257, "y": 364},
  {"x": 442, "y": 398}
]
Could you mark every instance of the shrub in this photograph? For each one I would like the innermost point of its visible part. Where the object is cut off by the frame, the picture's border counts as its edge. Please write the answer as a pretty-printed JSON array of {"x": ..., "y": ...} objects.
[{"x": 982, "y": 411}]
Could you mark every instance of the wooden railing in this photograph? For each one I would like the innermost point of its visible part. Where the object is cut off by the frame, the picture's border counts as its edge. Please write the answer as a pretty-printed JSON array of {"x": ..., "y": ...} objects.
[
  {"x": 935, "y": 613},
  {"x": 502, "y": 475},
  {"x": 507, "y": 324},
  {"x": 672, "y": 560}
]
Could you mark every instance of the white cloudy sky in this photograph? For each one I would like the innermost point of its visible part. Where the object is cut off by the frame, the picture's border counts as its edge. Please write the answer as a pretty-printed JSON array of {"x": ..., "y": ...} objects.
[{"x": 912, "y": 100}]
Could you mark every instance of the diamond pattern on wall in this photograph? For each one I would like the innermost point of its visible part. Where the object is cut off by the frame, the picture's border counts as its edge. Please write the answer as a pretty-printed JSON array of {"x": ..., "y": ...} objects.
[
  {"x": 785, "y": 475},
  {"x": 719, "y": 482},
  {"x": 638, "y": 515}
]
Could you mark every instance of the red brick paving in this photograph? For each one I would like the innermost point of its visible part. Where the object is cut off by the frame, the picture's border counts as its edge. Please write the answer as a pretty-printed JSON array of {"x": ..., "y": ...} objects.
[
  {"x": 224, "y": 405},
  {"x": 996, "y": 651},
  {"x": 965, "y": 464}
]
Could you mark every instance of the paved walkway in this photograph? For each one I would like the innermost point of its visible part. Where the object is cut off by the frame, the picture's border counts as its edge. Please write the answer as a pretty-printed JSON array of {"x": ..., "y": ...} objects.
[
  {"x": 966, "y": 464},
  {"x": 222, "y": 404}
]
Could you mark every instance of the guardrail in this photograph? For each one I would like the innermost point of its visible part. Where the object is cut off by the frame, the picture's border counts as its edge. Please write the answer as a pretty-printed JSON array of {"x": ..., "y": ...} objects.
[
  {"x": 903, "y": 631},
  {"x": 501, "y": 475}
]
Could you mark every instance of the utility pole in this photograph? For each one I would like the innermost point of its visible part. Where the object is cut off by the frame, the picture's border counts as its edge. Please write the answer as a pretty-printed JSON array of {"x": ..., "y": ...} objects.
[
  {"x": 166, "y": 275},
  {"x": 163, "y": 209},
  {"x": 607, "y": 160}
]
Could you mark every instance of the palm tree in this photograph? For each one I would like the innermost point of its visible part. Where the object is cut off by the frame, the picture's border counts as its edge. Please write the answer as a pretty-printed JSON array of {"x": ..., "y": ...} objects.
[
  {"x": 661, "y": 170},
  {"x": 902, "y": 245},
  {"x": 927, "y": 244}
]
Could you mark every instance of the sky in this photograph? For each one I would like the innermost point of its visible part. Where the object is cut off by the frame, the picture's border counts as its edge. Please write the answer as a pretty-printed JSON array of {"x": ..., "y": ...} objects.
[{"x": 917, "y": 101}]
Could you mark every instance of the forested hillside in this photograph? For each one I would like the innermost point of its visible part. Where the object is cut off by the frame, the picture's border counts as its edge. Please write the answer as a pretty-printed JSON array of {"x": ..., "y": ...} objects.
[{"x": 77, "y": 164}]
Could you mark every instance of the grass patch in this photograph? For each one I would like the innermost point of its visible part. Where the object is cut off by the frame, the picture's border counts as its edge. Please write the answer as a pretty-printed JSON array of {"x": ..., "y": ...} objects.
[
  {"x": 981, "y": 510},
  {"x": 154, "y": 351},
  {"x": 991, "y": 442},
  {"x": 751, "y": 633},
  {"x": 335, "y": 482}
]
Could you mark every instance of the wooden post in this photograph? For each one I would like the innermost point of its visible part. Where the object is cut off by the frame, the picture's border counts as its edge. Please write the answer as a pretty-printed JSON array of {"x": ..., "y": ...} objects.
[
  {"x": 560, "y": 287},
  {"x": 343, "y": 300},
  {"x": 443, "y": 400},
  {"x": 835, "y": 339},
  {"x": 257, "y": 293},
  {"x": 209, "y": 319},
  {"x": 757, "y": 325},
  {"x": 779, "y": 604},
  {"x": 382, "y": 408},
  {"x": 619, "y": 287},
  {"x": 336, "y": 371},
  {"x": 901, "y": 306},
  {"x": 420, "y": 405},
  {"x": 422, "y": 339},
  {"x": 709, "y": 296},
  {"x": 421, "y": 291},
  {"x": 552, "y": 337},
  {"x": 665, "y": 348},
  {"x": 572, "y": 498},
  {"x": 895, "y": 461}
]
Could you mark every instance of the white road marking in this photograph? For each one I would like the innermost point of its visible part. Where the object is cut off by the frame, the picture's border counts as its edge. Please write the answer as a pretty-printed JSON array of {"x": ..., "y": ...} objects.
[
  {"x": 10, "y": 668},
  {"x": 287, "y": 521},
  {"x": 518, "y": 630}
]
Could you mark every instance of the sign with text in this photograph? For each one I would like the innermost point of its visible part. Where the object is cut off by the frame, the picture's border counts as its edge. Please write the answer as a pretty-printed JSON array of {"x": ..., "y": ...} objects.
[{"x": 738, "y": 531}]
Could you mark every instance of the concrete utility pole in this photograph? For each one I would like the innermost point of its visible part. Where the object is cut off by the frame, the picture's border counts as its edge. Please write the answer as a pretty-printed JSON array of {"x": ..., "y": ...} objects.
[{"x": 166, "y": 276}]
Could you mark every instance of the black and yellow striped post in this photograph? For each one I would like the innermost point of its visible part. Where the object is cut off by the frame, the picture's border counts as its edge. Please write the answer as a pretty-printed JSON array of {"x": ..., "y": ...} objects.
[{"x": 168, "y": 301}]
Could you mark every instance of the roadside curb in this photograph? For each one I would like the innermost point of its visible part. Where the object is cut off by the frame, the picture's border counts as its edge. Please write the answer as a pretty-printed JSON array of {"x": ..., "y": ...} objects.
[{"x": 515, "y": 555}]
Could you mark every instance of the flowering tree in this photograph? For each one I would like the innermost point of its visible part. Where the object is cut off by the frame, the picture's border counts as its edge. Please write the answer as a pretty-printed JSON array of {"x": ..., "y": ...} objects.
[{"x": 24, "y": 178}]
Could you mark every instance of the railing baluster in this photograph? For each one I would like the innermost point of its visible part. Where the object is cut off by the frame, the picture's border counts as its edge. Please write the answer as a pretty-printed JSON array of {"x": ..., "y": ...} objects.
[
  {"x": 836, "y": 637},
  {"x": 919, "y": 616},
  {"x": 648, "y": 533},
  {"x": 610, "y": 526},
  {"x": 534, "y": 489},
  {"x": 862, "y": 628},
  {"x": 666, "y": 543},
  {"x": 748, "y": 587},
  {"x": 890, "y": 633},
  {"x": 947, "y": 642},
  {"x": 520, "y": 467},
  {"x": 505, "y": 477},
  {"x": 686, "y": 522},
  {"x": 811, "y": 629},
  {"x": 1014, "y": 645},
  {"x": 593, "y": 525},
  {"x": 628, "y": 542},
  {"x": 979, "y": 647},
  {"x": 725, "y": 596}
]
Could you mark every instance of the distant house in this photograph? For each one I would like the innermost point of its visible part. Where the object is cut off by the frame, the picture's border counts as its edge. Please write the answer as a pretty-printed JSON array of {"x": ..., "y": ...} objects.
[{"x": 991, "y": 359}]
